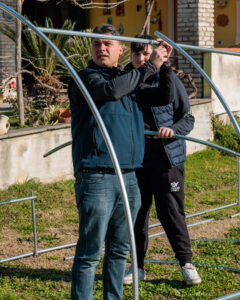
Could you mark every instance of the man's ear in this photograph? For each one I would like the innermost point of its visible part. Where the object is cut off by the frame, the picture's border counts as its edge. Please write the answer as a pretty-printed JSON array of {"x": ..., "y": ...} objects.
[{"x": 121, "y": 50}]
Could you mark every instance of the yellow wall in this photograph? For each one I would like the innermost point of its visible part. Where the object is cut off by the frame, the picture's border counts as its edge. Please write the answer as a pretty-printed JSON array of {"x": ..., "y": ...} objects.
[
  {"x": 133, "y": 20},
  {"x": 227, "y": 33}
]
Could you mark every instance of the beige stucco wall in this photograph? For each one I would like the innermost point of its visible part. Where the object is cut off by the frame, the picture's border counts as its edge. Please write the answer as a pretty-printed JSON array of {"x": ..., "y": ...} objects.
[
  {"x": 202, "y": 111},
  {"x": 226, "y": 76},
  {"x": 21, "y": 151},
  {"x": 21, "y": 155}
]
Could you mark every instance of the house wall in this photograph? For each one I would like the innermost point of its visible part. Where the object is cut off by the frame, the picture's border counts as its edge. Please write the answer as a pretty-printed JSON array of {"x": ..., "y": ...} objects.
[
  {"x": 226, "y": 76},
  {"x": 225, "y": 35},
  {"x": 133, "y": 20},
  {"x": 7, "y": 47},
  {"x": 195, "y": 26}
]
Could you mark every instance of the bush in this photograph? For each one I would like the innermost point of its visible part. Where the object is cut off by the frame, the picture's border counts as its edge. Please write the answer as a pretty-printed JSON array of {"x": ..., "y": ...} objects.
[{"x": 225, "y": 134}]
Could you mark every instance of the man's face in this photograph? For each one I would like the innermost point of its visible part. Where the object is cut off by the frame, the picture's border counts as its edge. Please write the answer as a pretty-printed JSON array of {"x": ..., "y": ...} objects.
[
  {"x": 139, "y": 58},
  {"x": 105, "y": 53}
]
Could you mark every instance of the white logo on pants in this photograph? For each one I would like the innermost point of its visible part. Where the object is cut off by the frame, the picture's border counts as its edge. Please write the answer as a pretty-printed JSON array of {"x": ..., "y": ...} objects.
[{"x": 175, "y": 187}]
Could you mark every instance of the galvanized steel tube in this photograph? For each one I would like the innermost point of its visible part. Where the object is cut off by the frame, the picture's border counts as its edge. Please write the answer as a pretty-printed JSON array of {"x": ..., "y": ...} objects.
[
  {"x": 199, "y": 213},
  {"x": 57, "y": 148},
  {"x": 104, "y": 132},
  {"x": 39, "y": 252},
  {"x": 18, "y": 200},
  {"x": 229, "y": 296},
  {"x": 195, "y": 264},
  {"x": 177, "y": 136},
  {"x": 132, "y": 39},
  {"x": 206, "y": 77},
  {"x": 236, "y": 215},
  {"x": 34, "y": 226},
  {"x": 191, "y": 139},
  {"x": 217, "y": 240},
  {"x": 189, "y": 225}
]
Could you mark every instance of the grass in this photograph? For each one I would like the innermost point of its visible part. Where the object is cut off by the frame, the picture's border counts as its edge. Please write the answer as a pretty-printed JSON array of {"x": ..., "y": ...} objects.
[{"x": 211, "y": 181}]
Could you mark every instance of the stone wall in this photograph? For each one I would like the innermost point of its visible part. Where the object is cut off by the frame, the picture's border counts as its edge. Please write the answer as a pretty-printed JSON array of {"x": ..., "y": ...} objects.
[
  {"x": 7, "y": 46},
  {"x": 195, "y": 26}
]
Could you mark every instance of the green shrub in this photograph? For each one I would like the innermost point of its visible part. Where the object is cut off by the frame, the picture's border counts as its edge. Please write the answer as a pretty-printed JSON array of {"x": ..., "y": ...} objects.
[
  {"x": 225, "y": 134},
  {"x": 37, "y": 55}
]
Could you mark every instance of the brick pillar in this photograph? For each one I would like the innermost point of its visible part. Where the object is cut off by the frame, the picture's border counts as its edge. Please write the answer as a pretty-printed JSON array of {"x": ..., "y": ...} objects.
[
  {"x": 195, "y": 26},
  {"x": 7, "y": 46}
]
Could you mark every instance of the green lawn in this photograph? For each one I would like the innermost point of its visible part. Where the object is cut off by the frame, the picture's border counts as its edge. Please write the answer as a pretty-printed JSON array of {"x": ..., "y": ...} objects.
[{"x": 211, "y": 181}]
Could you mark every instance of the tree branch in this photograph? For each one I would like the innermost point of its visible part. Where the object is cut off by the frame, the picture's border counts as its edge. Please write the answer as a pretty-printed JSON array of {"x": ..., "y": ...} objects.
[{"x": 91, "y": 4}]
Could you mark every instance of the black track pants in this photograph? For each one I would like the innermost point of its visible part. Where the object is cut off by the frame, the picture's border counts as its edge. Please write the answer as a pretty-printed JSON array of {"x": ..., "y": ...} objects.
[{"x": 167, "y": 186}]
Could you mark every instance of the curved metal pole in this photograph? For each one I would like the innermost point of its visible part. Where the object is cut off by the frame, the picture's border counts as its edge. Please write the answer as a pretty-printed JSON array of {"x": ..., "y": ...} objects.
[
  {"x": 206, "y": 49},
  {"x": 183, "y": 137},
  {"x": 148, "y": 132},
  {"x": 57, "y": 148},
  {"x": 229, "y": 296},
  {"x": 206, "y": 77},
  {"x": 104, "y": 132},
  {"x": 196, "y": 264},
  {"x": 132, "y": 39}
]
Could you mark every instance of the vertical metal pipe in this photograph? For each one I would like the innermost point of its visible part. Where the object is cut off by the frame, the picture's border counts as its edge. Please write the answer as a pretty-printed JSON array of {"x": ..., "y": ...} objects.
[
  {"x": 105, "y": 134},
  {"x": 206, "y": 77},
  {"x": 34, "y": 226}
]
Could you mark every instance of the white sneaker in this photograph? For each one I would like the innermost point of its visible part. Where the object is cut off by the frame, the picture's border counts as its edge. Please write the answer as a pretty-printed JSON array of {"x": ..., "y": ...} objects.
[
  {"x": 190, "y": 274},
  {"x": 128, "y": 278}
]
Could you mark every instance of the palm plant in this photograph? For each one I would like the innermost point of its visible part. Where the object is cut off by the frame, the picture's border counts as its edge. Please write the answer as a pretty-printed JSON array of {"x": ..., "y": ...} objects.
[
  {"x": 35, "y": 51},
  {"x": 78, "y": 52},
  {"x": 125, "y": 57}
]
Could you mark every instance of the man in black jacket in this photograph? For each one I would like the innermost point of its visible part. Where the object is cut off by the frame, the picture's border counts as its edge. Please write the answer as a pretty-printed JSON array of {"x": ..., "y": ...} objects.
[
  {"x": 101, "y": 213},
  {"x": 162, "y": 175}
]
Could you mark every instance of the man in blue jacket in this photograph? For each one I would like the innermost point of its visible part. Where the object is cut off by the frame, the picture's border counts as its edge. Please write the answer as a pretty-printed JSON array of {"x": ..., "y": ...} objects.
[
  {"x": 101, "y": 213},
  {"x": 162, "y": 175}
]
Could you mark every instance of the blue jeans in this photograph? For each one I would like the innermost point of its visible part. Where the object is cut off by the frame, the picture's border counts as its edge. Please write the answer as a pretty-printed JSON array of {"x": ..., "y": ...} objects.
[{"x": 102, "y": 218}]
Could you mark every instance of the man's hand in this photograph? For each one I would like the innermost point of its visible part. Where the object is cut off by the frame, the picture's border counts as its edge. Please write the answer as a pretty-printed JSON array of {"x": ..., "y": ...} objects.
[
  {"x": 161, "y": 53},
  {"x": 164, "y": 133}
]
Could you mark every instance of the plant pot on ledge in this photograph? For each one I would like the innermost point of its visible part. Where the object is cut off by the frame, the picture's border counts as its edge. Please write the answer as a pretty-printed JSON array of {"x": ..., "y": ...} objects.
[
  {"x": 4, "y": 124},
  {"x": 64, "y": 115}
]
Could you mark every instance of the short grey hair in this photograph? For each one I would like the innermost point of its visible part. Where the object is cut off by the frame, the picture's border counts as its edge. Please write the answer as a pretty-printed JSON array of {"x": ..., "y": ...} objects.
[{"x": 106, "y": 28}]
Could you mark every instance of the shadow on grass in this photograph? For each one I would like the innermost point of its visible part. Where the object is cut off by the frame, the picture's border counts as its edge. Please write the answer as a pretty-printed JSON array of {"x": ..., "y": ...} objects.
[
  {"x": 42, "y": 274},
  {"x": 177, "y": 284}
]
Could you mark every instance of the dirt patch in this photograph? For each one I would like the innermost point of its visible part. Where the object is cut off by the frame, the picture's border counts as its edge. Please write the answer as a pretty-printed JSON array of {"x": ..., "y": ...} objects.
[{"x": 12, "y": 243}]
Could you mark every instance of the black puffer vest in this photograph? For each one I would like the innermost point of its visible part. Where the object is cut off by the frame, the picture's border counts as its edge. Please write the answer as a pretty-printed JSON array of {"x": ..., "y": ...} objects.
[{"x": 174, "y": 148}]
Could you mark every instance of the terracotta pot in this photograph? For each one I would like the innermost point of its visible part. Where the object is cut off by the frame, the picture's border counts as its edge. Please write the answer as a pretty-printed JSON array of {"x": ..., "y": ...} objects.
[
  {"x": 64, "y": 115},
  {"x": 4, "y": 124}
]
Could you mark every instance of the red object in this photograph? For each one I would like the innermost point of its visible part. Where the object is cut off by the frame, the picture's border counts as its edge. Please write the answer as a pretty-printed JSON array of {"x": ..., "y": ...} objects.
[
  {"x": 64, "y": 115},
  {"x": 222, "y": 20},
  {"x": 12, "y": 85}
]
